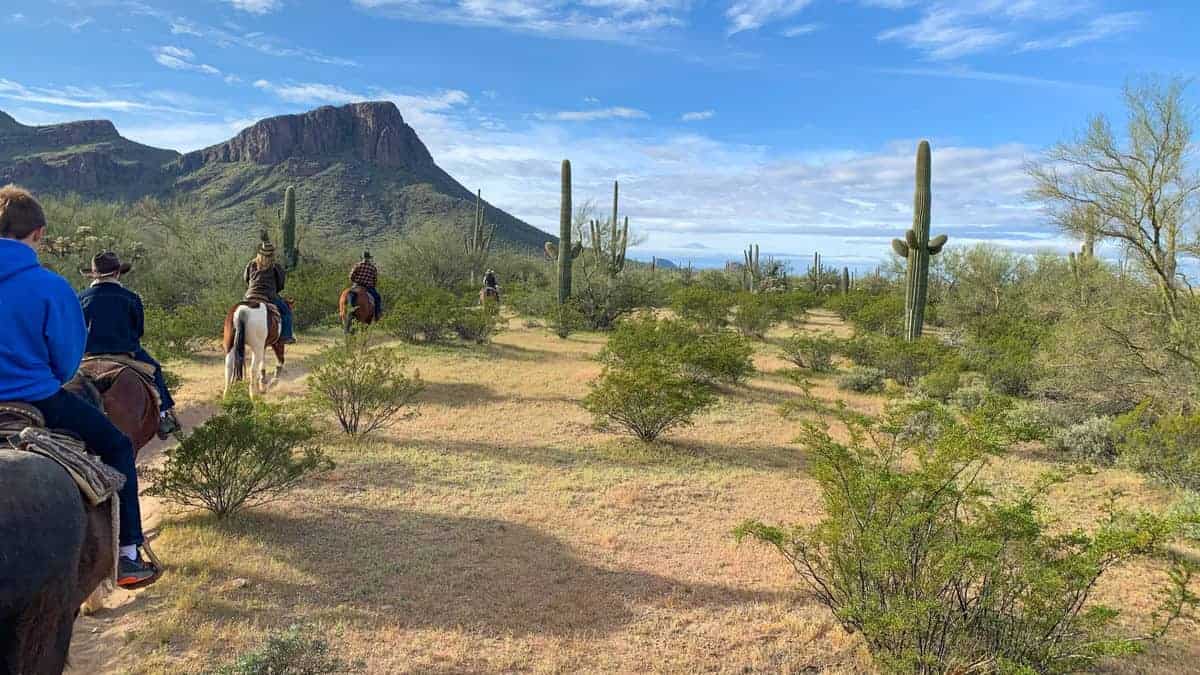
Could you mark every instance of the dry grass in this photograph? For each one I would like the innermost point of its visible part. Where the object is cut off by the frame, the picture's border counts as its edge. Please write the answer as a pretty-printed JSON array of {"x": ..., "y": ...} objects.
[{"x": 500, "y": 532}]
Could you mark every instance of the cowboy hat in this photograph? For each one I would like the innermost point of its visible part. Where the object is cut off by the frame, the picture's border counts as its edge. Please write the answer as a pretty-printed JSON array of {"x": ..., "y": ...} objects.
[
  {"x": 366, "y": 255},
  {"x": 105, "y": 264},
  {"x": 265, "y": 247}
]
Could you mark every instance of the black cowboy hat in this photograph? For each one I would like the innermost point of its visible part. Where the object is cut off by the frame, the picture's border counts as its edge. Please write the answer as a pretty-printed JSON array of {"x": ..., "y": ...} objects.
[
  {"x": 366, "y": 255},
  {"x": 105, "y": 264}
]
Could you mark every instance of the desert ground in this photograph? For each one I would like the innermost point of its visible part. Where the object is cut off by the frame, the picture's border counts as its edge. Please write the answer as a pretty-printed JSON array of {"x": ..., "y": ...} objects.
[{"x": 502, "y": 531}]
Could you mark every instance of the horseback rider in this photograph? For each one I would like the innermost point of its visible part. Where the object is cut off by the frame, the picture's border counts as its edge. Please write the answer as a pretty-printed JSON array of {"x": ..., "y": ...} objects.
[
  {"x": 42, "y": 338},
  {"x": 489, "y": 281},
  {"x": 366, "y": 275},
  {"x": 116, "y": 323},
  {"x": 264, "y": 279}
]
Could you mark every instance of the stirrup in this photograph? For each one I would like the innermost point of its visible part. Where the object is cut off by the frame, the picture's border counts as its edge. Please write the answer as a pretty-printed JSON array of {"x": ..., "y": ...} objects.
[{"x": 145, "y": 550}]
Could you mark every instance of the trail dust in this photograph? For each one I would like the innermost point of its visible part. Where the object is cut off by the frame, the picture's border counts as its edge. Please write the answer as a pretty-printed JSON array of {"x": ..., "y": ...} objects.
[{"x": 502, "y": 531}]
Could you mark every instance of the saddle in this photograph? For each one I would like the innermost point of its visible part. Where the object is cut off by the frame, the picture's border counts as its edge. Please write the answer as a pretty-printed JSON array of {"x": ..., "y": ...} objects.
[
  {"x": 274, "y": 318},
  {"x": 104, "y": 369},
  {"x": 24, "y": 428}
]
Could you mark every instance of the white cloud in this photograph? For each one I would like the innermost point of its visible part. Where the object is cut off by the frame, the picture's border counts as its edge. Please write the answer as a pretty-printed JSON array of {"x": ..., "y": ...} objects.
[
  {"x": 947, "y": 34},
  {"x": 256, "y": 6},
  {"x": 614, "y": 20},
  {"x": 81, "y": 99},
  {"x": 79, "y": 23},
  {"x": 616, "y": 112},
  {"x": 422, "y": 111},
  {"x": 178, "y": 58},
  {"x": 697, "y": 116},
  {"x": 753, "y": 14},
  {"x": 1097, "y": 28},
  {"x": 591, "y": 100},
  {"x": 16, "y": 18},
  {"x": 310, "y": 92},
  {"x": 801, "y": 29},
  {"x": 184, "y": 137},
  {"x": 962, "y": 73}
]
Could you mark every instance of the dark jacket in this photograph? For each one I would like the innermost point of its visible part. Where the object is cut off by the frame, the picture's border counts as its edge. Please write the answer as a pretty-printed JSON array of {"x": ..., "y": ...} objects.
[
  {"x": 263, "y": 284},
  {"x": 115, "y": 319}
]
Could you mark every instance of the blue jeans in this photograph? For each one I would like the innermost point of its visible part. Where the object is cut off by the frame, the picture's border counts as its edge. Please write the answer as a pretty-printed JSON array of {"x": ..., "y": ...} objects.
[
  {"x": 160, "y": 382},
  {"x": 285, "y": 320},
  {"x": 65, "y": 410},
  {"x": 353, "y": 298}
]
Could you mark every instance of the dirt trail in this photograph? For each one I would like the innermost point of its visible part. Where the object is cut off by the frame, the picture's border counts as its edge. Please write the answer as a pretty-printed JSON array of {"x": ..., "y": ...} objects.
[{"x": 98, "y": 637}]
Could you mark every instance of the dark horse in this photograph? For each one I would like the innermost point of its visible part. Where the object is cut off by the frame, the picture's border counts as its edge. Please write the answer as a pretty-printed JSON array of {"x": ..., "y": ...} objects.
[
  {"x": 58, "y": 549},
  {"x": 363, "y": 308},
  {"x": 489, "y": 294}
]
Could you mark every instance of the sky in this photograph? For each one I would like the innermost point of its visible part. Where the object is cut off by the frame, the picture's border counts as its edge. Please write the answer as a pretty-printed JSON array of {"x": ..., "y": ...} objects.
[{"x": 791, "y": 124}]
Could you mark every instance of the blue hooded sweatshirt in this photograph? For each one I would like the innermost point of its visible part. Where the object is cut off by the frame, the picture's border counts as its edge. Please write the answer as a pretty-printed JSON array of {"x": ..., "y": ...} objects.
[{"x": 42, "y": 333}]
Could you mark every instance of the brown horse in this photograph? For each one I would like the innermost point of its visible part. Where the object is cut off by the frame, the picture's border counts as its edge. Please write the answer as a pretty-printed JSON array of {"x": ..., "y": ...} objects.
[
  {"x": 255, "y": 324},
  {"x": 364, "y": 308},
  {"x": 128, "y": 400},
  {"x": 50, "y": 575},
  {"x": 489, "y": 294}
]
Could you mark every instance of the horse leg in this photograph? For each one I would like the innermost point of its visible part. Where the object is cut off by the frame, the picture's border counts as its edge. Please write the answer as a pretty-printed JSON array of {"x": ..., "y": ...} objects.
[
  {"x": 279, "y": 348},
  {"x": 95, "y": 601}
]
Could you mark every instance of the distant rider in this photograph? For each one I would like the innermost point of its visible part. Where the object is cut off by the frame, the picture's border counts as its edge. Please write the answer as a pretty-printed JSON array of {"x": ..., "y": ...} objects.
[
  {"x": 116, "y": 322},
  {"x": 366, "y": 275},
  {"x": 42, "y": 337},
  {"x": 264, "y": 279},
  {"x": 489, "y": 281}
]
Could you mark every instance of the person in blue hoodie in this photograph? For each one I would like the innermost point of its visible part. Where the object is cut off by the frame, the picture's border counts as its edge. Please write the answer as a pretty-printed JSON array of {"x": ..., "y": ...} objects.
[
  {"x": 116, "y": 321},
  {"x": 42, "y": 338}
]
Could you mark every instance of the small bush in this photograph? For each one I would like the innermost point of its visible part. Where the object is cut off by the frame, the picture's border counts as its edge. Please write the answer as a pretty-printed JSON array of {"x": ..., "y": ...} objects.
[
  {"x": 250, "y": 453},
  {"x": 478, "y": 324},
  {"x": 710, "y": 308},
  {"x": 364, "y": 387},
  {"x": 811, "y": 352},
  {"x": 939, "y": 384},
  {"x": 755, "y": 314},
  {"x": 291, "y": 652},
  {"x": 565, "y": 319},
  {"x": 1091, "y": 440},
  {"x": 1165, "y": 446},
  {"x": 1028, "y": 421},
  {"x": 647, "y": 398},
  {"x": 861, "y": 379},
  {"x": 793, "y": 306},
  {"x": 423, "y": 314},
  {"x": 939, "y": 576},
  {"x": 871, "y": 312},
  {"x": 707, "y": 357},
  {"x": 900, "y": 359},
  {"x": 970, "y": 396}
]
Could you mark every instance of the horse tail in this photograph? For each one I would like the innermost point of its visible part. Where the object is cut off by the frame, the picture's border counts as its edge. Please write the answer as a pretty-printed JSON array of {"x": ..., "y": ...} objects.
[{"x": 239, "y": 344}]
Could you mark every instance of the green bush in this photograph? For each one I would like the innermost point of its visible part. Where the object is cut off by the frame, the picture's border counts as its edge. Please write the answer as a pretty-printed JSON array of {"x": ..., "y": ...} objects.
[
  {"x": 939, "y": 384},
  {"x": 755, "y": 313},
  {"x": 1028, "y": 421},
  {"x": 792, "y": 306},
  {"x": 365, "y": 388},
  {"x": 478, "y": 324},
  {"x": 1091, "y": 440},
  {"x": 423, "y": 314},
  {"x": 565, "y": 319},
  {"x": 862, "y": 379},
  {"x": 970, "y": 396},
  {"x": 811, "y": 352},
  {"x": 900, "y": 359},
  {"x": 647, "y": 398},
  {"x": 314, "y": 288},
  {"x": 1163, "y": 445},
  {"x": 709, "y": 308},
  {"x": 708, "y": 357},
  {"x": 252, "y": 452},
  {"x": 1003, "y": 347},
  {"x": 871, "y": 312},
  {"x": 939, "y": 576},
  {"x": 292, "y": 652}
]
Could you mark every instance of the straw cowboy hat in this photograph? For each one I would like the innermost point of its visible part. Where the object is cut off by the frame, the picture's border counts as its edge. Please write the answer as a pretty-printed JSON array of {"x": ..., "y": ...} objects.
[{"x": 105, "y": 264}]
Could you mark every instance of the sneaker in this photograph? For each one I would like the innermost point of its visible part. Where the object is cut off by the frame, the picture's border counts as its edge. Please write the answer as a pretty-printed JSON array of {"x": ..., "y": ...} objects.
[
  {"x": 289, "y": 341},
  {"x": 135, "y": 573},
  {"x": 168, "y": 424}
]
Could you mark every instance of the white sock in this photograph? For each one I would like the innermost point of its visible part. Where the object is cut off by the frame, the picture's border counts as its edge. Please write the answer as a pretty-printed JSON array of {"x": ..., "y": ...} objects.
[{"x": 129, "y": 552}]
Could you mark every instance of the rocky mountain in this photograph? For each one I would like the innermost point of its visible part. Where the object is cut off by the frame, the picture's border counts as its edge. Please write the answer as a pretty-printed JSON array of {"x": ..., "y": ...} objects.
[{"x": 361, "y": 173}]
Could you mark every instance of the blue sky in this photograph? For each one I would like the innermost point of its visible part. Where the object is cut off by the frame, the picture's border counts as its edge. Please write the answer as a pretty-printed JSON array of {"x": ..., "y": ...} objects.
[{"x": 789, "y": 123}]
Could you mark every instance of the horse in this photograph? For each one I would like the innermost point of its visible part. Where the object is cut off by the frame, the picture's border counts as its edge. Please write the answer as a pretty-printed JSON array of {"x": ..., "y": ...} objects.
[
  {"x": 48, "y": 575},
  {"x": 489, "y": 293},
  {"x": 364, "y": 308},
  {"x": 255, "y": 324}
]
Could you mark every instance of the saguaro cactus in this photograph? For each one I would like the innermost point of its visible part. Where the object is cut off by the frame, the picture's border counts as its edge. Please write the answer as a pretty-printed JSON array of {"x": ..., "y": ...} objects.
[
  {"x": 916, "y": 247},
  {"x": 618, "y": 241},
  {"x": 291, "y": 256},
  {"x": 752, "y": 268},
  {"x": 566, "y": 251},
  {"x": 479, "y": 242},
  {"x": 845, "y": 280}
]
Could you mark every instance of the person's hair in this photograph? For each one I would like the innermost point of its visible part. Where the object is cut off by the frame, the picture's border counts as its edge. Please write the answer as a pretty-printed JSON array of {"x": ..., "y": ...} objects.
[
  {"x": 263, "y": 261},
  {"x": 20, "y": 213}
]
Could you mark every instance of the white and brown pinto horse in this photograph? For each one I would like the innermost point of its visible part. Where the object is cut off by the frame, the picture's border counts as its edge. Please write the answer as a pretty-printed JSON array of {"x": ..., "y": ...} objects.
[{"x": 255, "y": 325}]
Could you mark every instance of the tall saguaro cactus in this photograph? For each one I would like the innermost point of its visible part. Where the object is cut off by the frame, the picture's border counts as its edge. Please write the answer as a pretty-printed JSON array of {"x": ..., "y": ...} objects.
[
  {"x": 566, "y": 251},
  {"x": 845, "y": 280},
  {"x": 291, "y": 256},
  {"x": 752, "y": 268},
  {"x": 479, "y": 241},
  {"x": 618, "y": 241},
  {"x": 916, "y": 247}
]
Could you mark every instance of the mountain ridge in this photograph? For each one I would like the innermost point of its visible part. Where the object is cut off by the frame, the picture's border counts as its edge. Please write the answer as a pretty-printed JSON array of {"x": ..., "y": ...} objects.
[{"x": 361, "y": 173}]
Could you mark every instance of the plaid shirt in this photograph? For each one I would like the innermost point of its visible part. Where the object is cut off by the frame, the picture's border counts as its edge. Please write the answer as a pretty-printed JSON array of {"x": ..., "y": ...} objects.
[{"x": 364, "y": 274}]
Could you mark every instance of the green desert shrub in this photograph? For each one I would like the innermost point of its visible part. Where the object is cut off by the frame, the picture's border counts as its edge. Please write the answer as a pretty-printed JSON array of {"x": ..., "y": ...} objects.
[
  {"x": 365, "y": 388},
  {"x": 811, "y": 352},
  {"x": 1003, "y": 347},
  {"x": 754, "y": 314},
  {"x": 792, "y": 306},
  {"x": 900, "y": 359},
  {"x": 566, "y": 318},
  {"x": 861, "y": 379},
  {"x": 1163, "y": 445},
  {"x": 972, "y": 394},
  {"x": 937, "y": 575},
  {"x": 423, "y": 314},
  {"x": 647, "y": 398},
  {"x": 871, "y": 312},
  {"x": 721, "y": 356},
  {"x": 1028, "y": 420},
  {"x": 478, "y": 324},
  {"x": 939, "y": 384},
  {"x": 314, "y": 288},
  {"x": 249, "y": 453},
  {"x": 602, "y": 300},
  {"x": 709, "y": 308},
  {"x": 1091, "y": 440},
  {"x": 296, "y": 651}
]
